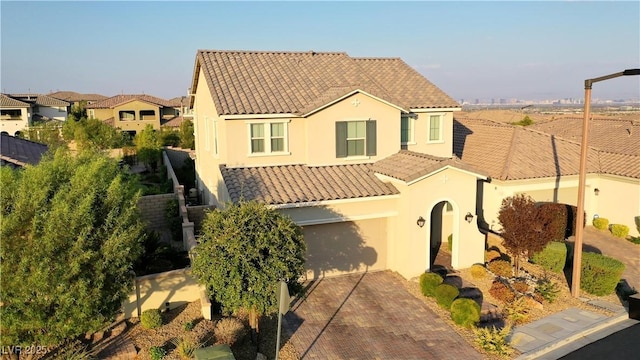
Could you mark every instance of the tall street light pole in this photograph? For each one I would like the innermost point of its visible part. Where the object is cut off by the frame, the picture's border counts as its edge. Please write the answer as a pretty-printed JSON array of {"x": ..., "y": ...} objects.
[{"x": 577, "y": 250}]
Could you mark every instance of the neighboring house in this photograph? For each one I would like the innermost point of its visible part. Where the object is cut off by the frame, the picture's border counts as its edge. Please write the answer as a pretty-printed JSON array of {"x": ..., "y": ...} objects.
[
  {"x": 16, "y": 152},
  {"x": 132, "y": 113},
  {"x": 74, "y": 98},
  {"x": 320, "y": 136},
  {"x": 43, "y": 107},
  {"x": 15, "y": 115}
]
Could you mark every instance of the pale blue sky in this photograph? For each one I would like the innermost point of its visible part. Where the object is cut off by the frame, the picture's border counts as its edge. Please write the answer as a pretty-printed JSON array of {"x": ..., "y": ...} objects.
[{"x": 526, "y": 50}]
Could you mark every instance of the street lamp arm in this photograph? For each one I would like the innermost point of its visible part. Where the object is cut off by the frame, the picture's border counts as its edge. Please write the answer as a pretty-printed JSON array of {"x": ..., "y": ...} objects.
[{"x": 589, "y": 82}]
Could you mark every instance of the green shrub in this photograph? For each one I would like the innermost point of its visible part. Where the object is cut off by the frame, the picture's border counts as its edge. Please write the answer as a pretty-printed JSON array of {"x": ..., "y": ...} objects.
[
  {"x": 428, "y": 283},
  {"x": 619, "y": 230},
  {"x": 553, "y": 257},
  {"x": 600, "y": 274},
  {"x": 445, "y": 294},
  {"x": 229, "y": 331},
  {"x": 634, "y": 239},
  {"x": 517, "y": 311},
  {"x": 601, "y": 223},
  {"x": 157, "y": 352},
  {"x": 189, "y": 325},
  {"x": 526, "y": 121},
  {"x": 478, "y": 271},
  {"x": 502, "y": 292},
  {"x": 493, "y": 340},
  {"x": 547, "y": 289},
  {"x": 151, "y": 319},
  {"x": 465, "y": 312},
  {"x": 450, "y": 242},
  {"x": 185, "y": 347},
  {"x": 501, "y": 268}
]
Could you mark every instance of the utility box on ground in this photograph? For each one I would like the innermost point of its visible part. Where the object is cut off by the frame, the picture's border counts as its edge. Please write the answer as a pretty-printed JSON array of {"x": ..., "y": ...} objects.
[
  {"x": 634, "y": 307},
  {"x": 215, "y": 352}
]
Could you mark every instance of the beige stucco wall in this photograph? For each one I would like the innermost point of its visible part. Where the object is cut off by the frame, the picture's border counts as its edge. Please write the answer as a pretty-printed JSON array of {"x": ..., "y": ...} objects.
[
  {"x": 177, "y": 287},
  {"x": 411, "y": 244},
  {"x": 12, "y": 126},
  {"x": 441, "y": 149},
  {"x": 136, "y": 125},
  {"x": 618, "y": 201}
]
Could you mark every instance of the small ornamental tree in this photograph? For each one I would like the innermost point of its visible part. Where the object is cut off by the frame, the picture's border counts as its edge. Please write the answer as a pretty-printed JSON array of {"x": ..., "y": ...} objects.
[
  {"x": 149, "y": 146},
  {"x": 526, "y": 227},
  {"x": 244, "y": 250},
  {"x": 187, "y": 139},
  {"x": 70, "y": 233}
]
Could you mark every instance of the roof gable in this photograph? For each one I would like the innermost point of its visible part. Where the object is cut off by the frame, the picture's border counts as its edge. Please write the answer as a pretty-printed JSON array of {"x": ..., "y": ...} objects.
[
  {"x": 117, "y": 100},
  {"x": 254, "y": 82},
  {"x": 6, "y": 101}
]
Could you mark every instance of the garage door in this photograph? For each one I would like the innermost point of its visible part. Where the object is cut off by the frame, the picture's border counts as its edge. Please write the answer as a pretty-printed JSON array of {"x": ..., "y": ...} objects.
[{"x": 346, "y": 247}]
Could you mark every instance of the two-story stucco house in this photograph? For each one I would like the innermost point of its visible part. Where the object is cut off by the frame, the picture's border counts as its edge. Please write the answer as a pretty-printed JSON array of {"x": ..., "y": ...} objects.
[
  {"x": 358, "y": 151},
  {"x": 15, "y": 115},
  {"x": 131, "y": 113}
]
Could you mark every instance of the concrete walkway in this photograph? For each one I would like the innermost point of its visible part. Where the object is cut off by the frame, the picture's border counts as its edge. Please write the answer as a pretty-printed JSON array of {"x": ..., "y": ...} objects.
[{"x": 370, "y": 316}]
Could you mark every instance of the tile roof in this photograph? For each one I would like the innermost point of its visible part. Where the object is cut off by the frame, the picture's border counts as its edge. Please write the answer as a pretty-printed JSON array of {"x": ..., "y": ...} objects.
[
  {"x": 618, "y": 136},
  {"x": 289, "y": 184},
  {"x": 619, "y": 164},
  {"x": 6, "y": 101},
  {"x": 17, "y": 152},
  {"x": 179, "y": 101},
  {"x": 408, "y": 165},
  {"x": 175, "y": 121},
  {"x": 510, "y": 152},
  {"x": 73, "y": 96},
  {"x": 114, "y": 101},
  {"x": 38, "y": 99},
  {"x": 260, "y": 82}
]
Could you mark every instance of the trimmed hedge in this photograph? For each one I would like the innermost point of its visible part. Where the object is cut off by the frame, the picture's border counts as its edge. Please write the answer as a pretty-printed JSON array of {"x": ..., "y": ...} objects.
[
  {"x": 151, "y": 319},
  {"x": 553, "y": 257},
  {"x": 465, "y": 312},
  {"x": 601, "y": 223},
  {"x": 478, "y": 271},
  {"x": 619, "y": 230},
  {"x": 429, "y": 282},
  {"x": 445, "y": 294},
  {"x": 600, "y": 274}
]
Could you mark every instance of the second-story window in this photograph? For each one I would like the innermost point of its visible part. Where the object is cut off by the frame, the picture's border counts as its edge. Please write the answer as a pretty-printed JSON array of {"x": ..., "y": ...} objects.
[
  {"x": 270, "y": 137},
  {"x": 435, "y": 128},
  {"x": 406, "y": 129},
  {"x": 355, "y": 138},
  {"x": 127, "y": 115}
]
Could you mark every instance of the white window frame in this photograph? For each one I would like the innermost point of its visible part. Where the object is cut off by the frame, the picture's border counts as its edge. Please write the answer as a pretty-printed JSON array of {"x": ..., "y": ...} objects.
[
  {"x": 364, "y": 139},
  {"x": 440, "y": 128},
  {"x": 267, "y": 137},
  {"x": 215, "y": 137},
  {"x": 207, "y": 141},
  {"x": 412, "y": 129},
  {"x": 92, "y": 113}
]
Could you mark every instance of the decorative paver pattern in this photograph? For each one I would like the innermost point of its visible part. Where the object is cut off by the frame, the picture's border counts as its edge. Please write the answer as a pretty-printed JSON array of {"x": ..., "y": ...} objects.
[{"x": 370, "y": 316}]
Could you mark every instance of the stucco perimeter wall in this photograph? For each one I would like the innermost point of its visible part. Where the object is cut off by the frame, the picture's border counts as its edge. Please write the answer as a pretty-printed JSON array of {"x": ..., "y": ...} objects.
[
  {"x": 618, "y": 201},
  {"x": 176, "y": 287},
  {"x": 410, "y": 247}
]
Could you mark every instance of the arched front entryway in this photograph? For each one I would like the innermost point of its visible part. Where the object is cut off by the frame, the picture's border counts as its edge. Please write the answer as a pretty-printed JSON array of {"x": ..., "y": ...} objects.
[{"x": 442, "y": 233}]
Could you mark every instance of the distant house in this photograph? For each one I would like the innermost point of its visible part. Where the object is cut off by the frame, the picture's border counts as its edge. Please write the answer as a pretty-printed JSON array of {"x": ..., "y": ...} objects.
[
  {"x": 74, "y": 98},
  {"x": 132, "y": 113},
  {"x": 15, "y": 115},
  {"x": 43, "y": 107},
  {"x": 16, "y": 152}
]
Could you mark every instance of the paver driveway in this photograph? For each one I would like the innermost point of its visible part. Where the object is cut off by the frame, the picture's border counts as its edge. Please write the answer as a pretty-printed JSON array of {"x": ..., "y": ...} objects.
[{"x": 370, "y": 316}]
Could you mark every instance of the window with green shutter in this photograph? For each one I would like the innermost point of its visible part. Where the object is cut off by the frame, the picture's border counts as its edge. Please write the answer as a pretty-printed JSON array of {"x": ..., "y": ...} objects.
[{"x": 355, "y": 138}]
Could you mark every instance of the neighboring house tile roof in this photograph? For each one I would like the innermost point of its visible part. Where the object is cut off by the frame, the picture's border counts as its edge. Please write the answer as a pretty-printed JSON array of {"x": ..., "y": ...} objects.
[
  {"x": 180, "y": 101},
  {"x": 114, "y": 101},
  {"x": 620, "y": 164},
  {"x": 39, "y": 99},
  {"x": 73, "y": 96},
  {"x": 175, "y": 121},
  {"x": 260, "y": 82},
  {"x": 18, "y": 152},
  {"x": 409, "y": 166},
  {"x": 510, "y": 152},
  {"x": 618, "y": 136},
  {"x": 289, "y": 184},
  {"x": 6, "y": 101}
]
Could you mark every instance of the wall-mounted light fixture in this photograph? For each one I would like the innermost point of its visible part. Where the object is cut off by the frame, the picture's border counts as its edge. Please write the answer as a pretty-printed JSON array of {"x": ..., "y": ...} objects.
[
  {"x": 468, "y": 217},
  {"x": 596, "y": 191},
  {"x": 420, "y": 221}
]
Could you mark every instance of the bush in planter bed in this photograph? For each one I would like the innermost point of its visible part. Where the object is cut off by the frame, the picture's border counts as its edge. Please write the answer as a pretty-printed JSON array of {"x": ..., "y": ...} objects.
[
  {"x": 429, "y": 282},
  {"x": 619, "y": 230},
  {"x": 465, "y": 312},
  {"x": 600, "y": 274},
  {"x": 445, "y": 294},
  {"x": 601, "y": 223},
  {"x": 151, "y": 319},
  {"x": 502, "y": 292},
  {"x": 501, "y": 268},
  {"x": 553, "y": 257}
]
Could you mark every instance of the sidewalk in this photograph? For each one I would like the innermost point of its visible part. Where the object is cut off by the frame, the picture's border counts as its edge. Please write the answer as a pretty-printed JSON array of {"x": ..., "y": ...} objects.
[{"x": 559, "y": 334}]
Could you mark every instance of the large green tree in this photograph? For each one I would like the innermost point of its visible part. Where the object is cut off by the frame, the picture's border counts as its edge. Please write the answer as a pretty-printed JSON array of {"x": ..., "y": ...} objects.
[
  {"x": 149, "y": 146},
  {"x": 70, "y": 235},
  {"x": 526, "y": 227},
  {"x": 187, "y": 139},
  {"x": 245, "y": 249}
]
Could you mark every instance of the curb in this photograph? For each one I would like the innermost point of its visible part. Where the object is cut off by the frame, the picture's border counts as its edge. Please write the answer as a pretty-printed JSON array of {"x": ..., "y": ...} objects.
[{"x": 535, "y": 354}]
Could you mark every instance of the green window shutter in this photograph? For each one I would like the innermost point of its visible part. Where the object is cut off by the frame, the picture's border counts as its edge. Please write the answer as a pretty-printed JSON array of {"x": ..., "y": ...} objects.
[
  {"x": 341, "y": 139},
  {"x": 371, "y": 138}
]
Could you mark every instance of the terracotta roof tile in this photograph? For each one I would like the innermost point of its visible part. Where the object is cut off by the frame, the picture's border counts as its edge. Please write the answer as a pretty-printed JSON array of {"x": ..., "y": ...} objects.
[
  {"x": 408, "y": 165},
  {"x": 617, "y": 136},
  {"x": 256, "y": 82},
  {"x": 620, "y": 164},
  {"x": 73, "y": 96},
  {"x": 175, "y": 121},
  {"x": 19, "y": 152},
  {"x": 38, "y": 99},
  {"x": 6, "y": 101},
  {"x": 290, "y": 184},
  {"x": 114, "y": 101}
]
